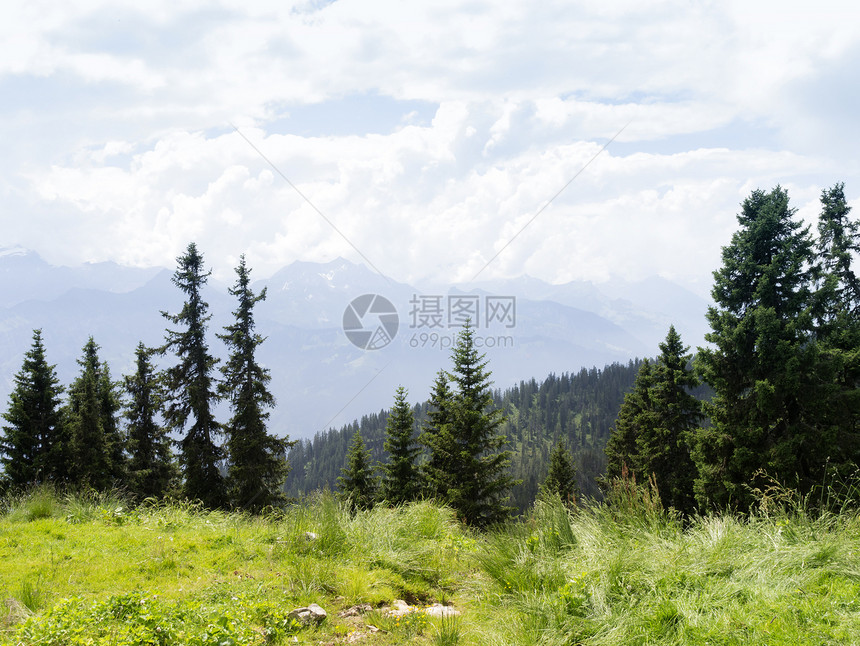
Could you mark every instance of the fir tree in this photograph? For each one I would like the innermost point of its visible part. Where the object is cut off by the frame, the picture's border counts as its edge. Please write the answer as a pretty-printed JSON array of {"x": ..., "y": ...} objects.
[
  {"x": 664, "y": 446},
  {"x": 478, "y": 484},
  {"x": 436, "y": 437},
  {"x": 358, "y": 484},
  {"x": 834, "y": 403},
  {"x": 762, "y": 358},
  {"x": 150, "y": 465},
  {"x": 622, "y": 451},
  {"x": 190, "y": 387},
  {"x": 34, "y": 446},
  {"x": 401, "y": 479},
  {"x": 561, "y": 477},
  {"x": 115, "y": 439},
  {"x": 97, "y": 447},
  {"x": 656, "y": 424},
  {"x": 837, "y": 245},
  {"x": 258, "y": 465}
]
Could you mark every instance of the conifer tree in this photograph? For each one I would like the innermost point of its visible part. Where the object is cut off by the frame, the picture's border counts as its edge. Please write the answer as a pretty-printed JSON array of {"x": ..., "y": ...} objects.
[
  {"x": 561, "y": 477},
  {"x": 664, "y": 446},
  {"x": 401, "y": 479},
  {"x": 115, "y": 438},
  {"x": 150, "y": 465},
  {"x": 357, "y": 483},
  {"x": 622, "y": 451},
  {"x": 762, "y": 358},
  {"x": 834, "y": 404},
  {"x": 34, "y": 446},
  {"x": 471, "y": 444},
  {"x": 435, "y": 436},
  {"x": 190, "y": 386},
  {"x": 257, "y": 460},
  {"x": 656, "y": 425},
  {"x": 837, "y": 245},
  {"x": 97, "y": 447}
]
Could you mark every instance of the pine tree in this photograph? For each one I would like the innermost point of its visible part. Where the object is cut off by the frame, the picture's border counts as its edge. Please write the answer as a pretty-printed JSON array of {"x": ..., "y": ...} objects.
[
  {"x": 561, "y": 477},
  {"x": 478, "y": 485},
  {"x": 97, "y": 446},
  {"x": 834, "y": 403},
  {"x": 838, "y": 243},
  {"x": 190, "y": 387},
  {"x": 622, "y": 450},
  {"x": 150, "y": 465},
  {"x": 664, "y": 447},
  {"x": 761, "y": 361},
  {"x": 357, "y": 483},
  {"x": 34, "y": 446},
  {"x": 436, "y": 437},
  {"x": 115, "y": 439},
  {"x": 401, "y": 479},
  {"x": 257, "y": 460}
]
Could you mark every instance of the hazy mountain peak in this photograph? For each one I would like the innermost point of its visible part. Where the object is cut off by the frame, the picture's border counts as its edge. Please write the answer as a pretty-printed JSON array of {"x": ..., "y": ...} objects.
[
  {"x": 316, "y": 370},
  {"x": 6, "y": 252}
]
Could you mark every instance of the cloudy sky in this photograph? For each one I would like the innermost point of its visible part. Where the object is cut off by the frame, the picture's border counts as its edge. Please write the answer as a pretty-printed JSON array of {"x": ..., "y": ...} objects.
[{"x": 427, "y": 133}]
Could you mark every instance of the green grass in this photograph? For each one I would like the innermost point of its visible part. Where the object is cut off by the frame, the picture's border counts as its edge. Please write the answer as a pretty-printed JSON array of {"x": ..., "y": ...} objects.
[{"x": 93, "y": 570}]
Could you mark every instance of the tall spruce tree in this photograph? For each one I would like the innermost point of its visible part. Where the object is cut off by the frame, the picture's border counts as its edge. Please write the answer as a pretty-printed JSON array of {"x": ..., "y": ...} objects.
[
  {"x": 34, "y": 445},
  {"x": 357, "y": 484},
  {"x": 834, "y": 404},
  {"x": 110, "y": 395},
  {"x": 636, "y": 412},
  {"x": 656, "y": 426},
  {"x": 257, "y": 460},
  {"x": 837, "y": 245},
  {"x": 664, "y": 447},
  {"x": 478, "y": 483},
  {"x": 436, "y": 437},
  {"x": 761, "y": 360},
  {"x": 190, "y": 386},
  {"x": 150, "y": 465},
  {"x": 97, "y": 446},
  {"x": 561, "y": 476},
  {"x": 401, "y": 478}
]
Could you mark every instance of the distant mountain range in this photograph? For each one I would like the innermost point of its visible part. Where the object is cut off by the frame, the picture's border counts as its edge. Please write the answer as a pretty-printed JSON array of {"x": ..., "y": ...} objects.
[{"x": 529, "y": 328}]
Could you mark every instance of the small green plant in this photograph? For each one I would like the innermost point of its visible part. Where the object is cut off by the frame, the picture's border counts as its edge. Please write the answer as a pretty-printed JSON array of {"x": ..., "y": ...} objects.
[
  {"x": 32, "y": 595},
  {"x": 574, "y": 597},
  {"x": 448, "y": 631},
  {"x": 412, "y": 624},
  {"x": 404, "y": 626}
]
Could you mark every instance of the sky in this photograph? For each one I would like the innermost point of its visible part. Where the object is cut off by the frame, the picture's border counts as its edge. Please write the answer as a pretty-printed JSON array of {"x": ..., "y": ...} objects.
[{"x": 432, "y": 141}]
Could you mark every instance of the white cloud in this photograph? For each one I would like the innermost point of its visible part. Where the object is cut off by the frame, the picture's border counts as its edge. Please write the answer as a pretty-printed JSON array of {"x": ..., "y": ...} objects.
[{"x": 141, "y": 157}]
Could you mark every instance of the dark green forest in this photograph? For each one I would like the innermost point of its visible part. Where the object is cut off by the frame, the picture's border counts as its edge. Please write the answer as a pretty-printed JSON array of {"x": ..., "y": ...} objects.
[{"x": 578, "y": 408}]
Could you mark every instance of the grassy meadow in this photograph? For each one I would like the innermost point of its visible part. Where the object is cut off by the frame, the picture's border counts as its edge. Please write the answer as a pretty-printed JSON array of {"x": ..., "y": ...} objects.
[{"x": 93, "y": 570}]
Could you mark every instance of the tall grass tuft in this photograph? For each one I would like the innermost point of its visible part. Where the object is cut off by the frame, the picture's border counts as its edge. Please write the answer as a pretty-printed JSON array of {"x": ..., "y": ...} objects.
[
  {"x": 631, "y": 503},
  {"x": 448, "y": 631},
  {"x": 32, "y": 595},
  {"x": 631, "y": 573},
  {"x": 87, "y": 505},
  {"x": 40, "y": 502}
]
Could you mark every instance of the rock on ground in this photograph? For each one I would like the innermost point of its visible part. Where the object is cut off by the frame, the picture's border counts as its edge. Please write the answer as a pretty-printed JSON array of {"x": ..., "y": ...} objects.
[{"x": 309, "y": 614}]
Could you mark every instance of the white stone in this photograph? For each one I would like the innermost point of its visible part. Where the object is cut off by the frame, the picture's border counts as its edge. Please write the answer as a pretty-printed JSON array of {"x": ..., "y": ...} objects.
[
  {"x": 438, "y": 610},
  {"x": 312, "y": 613}
]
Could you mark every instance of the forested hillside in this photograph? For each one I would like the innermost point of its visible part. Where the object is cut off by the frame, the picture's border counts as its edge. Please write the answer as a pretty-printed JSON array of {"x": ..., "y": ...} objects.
[{"x": 577, "y": 408}]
